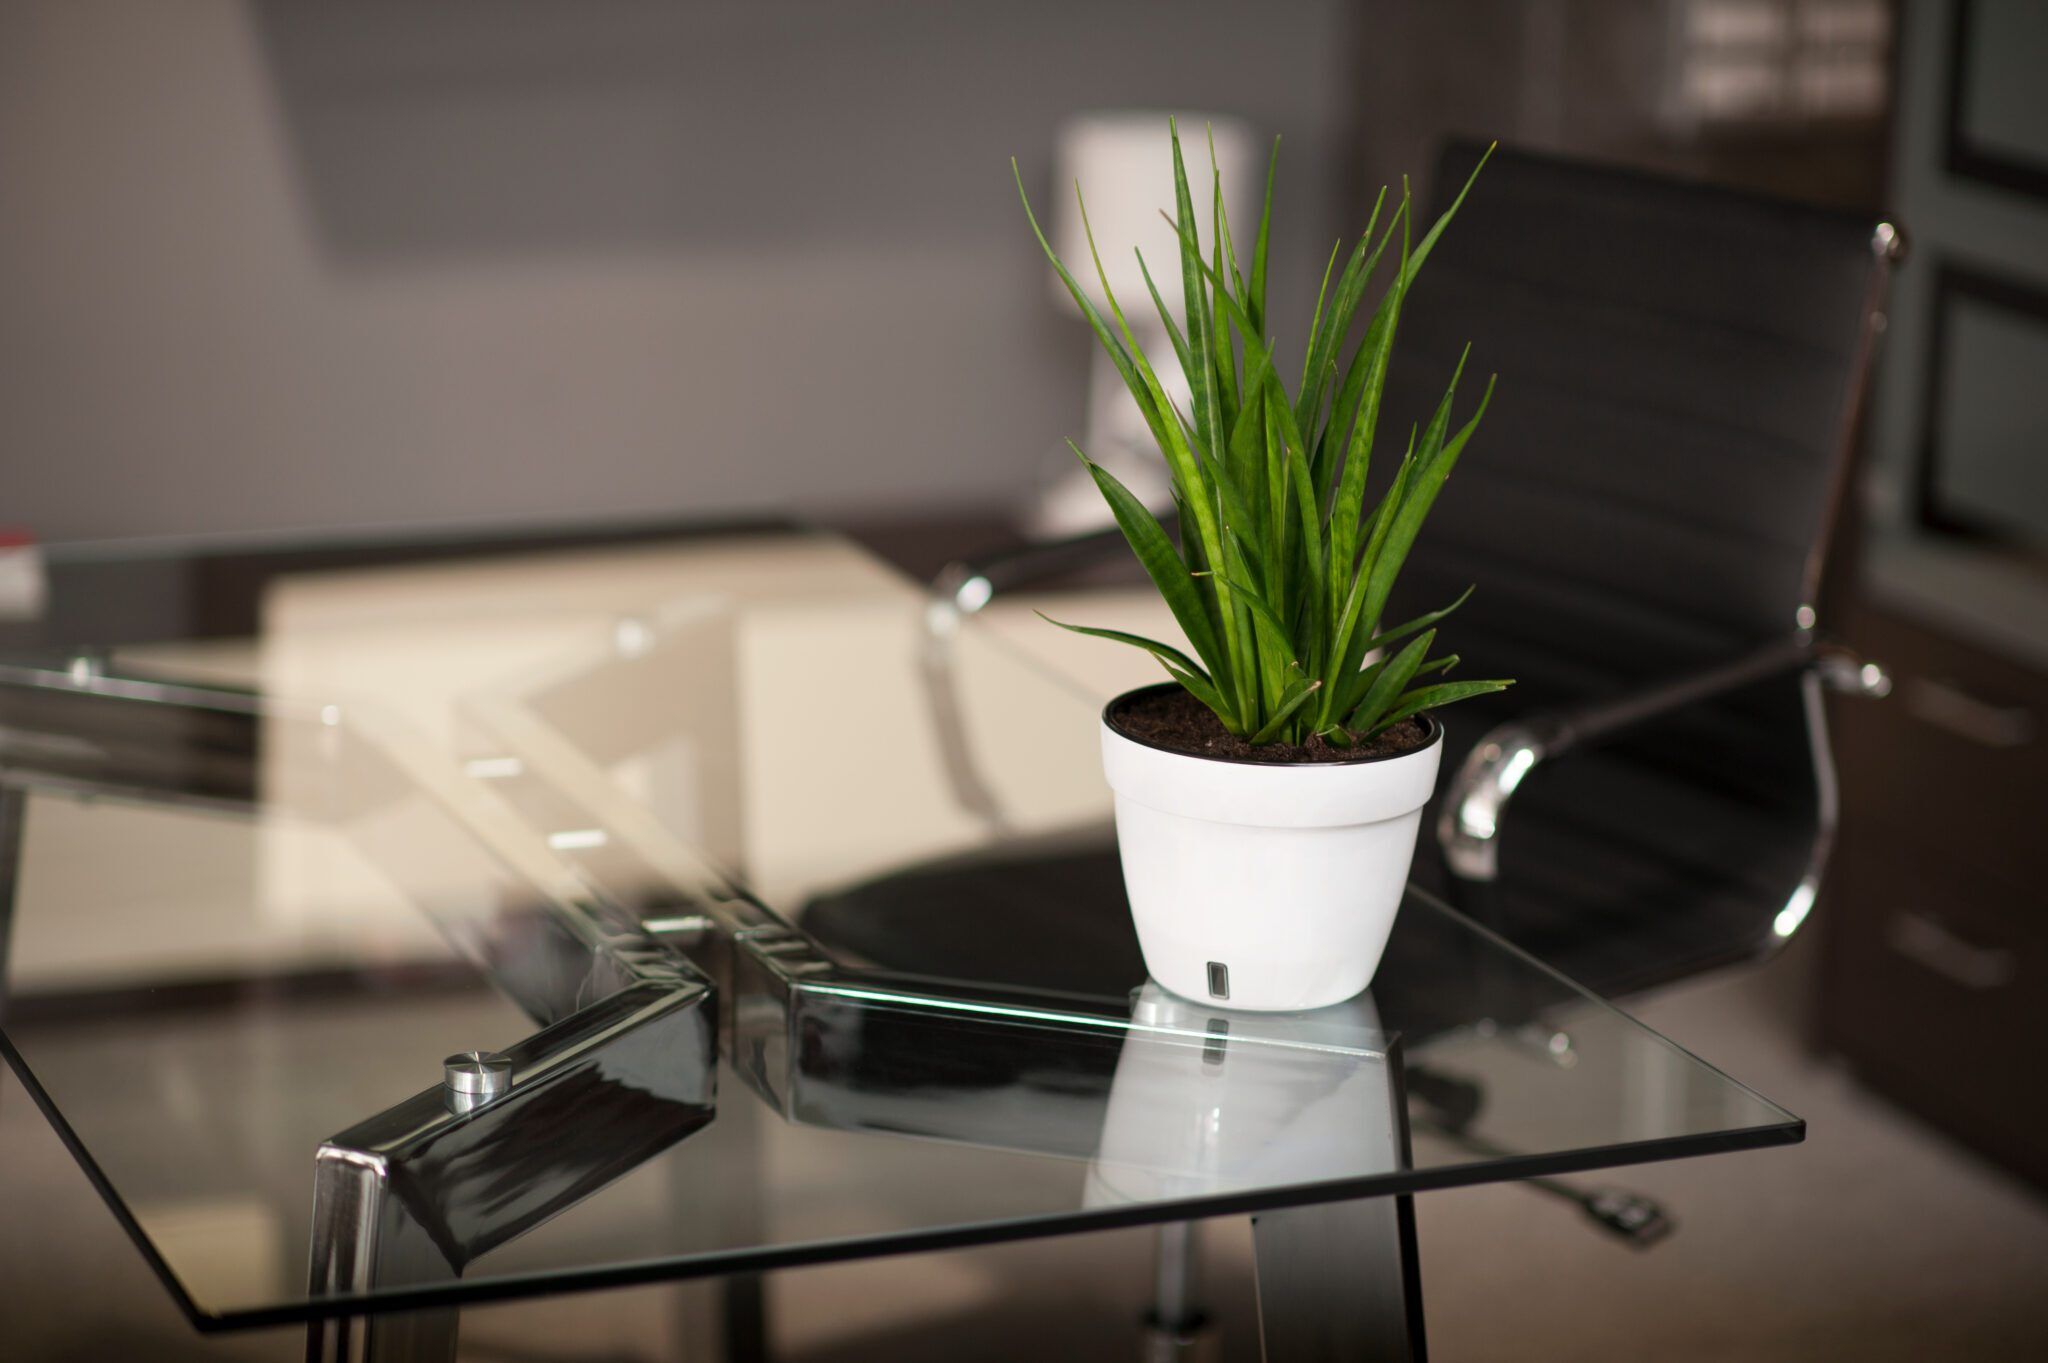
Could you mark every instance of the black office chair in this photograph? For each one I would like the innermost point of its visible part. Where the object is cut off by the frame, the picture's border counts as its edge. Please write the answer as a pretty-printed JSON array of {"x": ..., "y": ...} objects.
[
  {"x": 1646, "y": 515},
  {"x": 1684, "y": 371}
]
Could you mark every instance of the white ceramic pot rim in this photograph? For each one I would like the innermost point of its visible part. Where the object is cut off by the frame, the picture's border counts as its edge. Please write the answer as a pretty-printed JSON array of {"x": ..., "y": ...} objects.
[{"x": 1239, "y": 791}]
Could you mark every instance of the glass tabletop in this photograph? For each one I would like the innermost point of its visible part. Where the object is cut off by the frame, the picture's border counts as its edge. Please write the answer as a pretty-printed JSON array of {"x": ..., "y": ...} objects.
[{"x": 791, "y": 897}]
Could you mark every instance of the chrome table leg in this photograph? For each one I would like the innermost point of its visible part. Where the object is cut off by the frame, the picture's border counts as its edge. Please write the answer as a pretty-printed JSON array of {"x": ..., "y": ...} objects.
[
  {"x": 1176, "y": 1323},
  {"x": 1340, "y": 1282},
  {"x": 407, "y": 1337}
]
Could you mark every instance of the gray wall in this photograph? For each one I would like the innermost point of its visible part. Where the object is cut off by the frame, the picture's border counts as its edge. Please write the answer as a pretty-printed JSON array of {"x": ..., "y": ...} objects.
[{"x": 270, "y": 266}]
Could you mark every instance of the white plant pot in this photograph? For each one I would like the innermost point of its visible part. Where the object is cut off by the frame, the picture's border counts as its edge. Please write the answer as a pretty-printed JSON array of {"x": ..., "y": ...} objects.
[{"x": 1260, "y": 885}]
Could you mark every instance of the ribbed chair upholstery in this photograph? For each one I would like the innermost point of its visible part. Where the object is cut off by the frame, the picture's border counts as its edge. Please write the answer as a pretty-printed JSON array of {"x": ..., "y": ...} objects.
[
  {"x": 1657, "y": 476},
  {"x": 1652, "y": 494}
]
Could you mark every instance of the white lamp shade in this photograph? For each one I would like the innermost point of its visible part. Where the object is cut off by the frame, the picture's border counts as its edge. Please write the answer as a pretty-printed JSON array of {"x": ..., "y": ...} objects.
[{"x": 1123, "y": 161}]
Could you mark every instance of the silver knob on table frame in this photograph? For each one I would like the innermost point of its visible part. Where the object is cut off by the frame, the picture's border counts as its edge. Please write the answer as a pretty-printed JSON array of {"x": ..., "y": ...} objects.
[{"x": 473, "y": 1078}]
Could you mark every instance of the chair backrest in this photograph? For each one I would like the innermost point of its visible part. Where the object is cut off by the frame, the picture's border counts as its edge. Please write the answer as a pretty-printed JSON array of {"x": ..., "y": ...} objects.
[{"x": 1681, "y": 371}]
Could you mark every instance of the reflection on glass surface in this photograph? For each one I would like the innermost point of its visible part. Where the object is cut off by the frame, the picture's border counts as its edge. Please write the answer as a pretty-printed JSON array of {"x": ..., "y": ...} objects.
[
  {"x": 797, "y": 745},
  {"x": 187, "y": 874},
  {"x": 1256, "y": 1101},
  {"x": 931, "y": 1015}
]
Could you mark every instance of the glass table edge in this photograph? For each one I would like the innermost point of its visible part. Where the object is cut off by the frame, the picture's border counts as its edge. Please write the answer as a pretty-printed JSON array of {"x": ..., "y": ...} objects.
[
  {"x": 1788, "y": 1131},
  {"x": 25, "y": 1075},
  {"x": 646, "y": 1272},
  {"x": 1418, "y": 894}
]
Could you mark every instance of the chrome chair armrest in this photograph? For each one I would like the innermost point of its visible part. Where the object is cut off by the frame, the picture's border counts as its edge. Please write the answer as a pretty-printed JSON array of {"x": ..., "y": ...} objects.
[
  {"x": 966, "y": 585},
  {"x": 1475, "y": 806}
]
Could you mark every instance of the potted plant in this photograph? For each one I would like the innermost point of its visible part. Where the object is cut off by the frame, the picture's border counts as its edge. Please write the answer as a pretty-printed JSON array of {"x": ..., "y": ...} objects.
[{"x": 1268, "y": 797}]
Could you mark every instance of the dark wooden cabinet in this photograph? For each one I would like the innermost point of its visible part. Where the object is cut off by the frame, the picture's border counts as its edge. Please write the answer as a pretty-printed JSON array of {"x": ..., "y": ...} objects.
[{"x": 1934, "y": 976}]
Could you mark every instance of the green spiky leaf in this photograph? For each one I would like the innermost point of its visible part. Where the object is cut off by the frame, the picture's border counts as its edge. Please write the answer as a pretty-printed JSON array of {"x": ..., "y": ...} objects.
[
  {"x": 1294, "y": 700},
  {"x": 1432, "y": 698},
  {"x": 1282, "y": 573}
]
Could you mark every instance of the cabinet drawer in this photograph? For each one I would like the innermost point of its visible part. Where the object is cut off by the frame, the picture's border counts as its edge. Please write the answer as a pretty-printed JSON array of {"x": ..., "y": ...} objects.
[
  {"x": 1957, "y": 754},
  {"x": 1935, "y": 987}
]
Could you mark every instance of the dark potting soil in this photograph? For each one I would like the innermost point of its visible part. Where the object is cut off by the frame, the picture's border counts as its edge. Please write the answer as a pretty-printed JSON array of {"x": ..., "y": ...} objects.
[{"x": 1174, "y": 720}]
